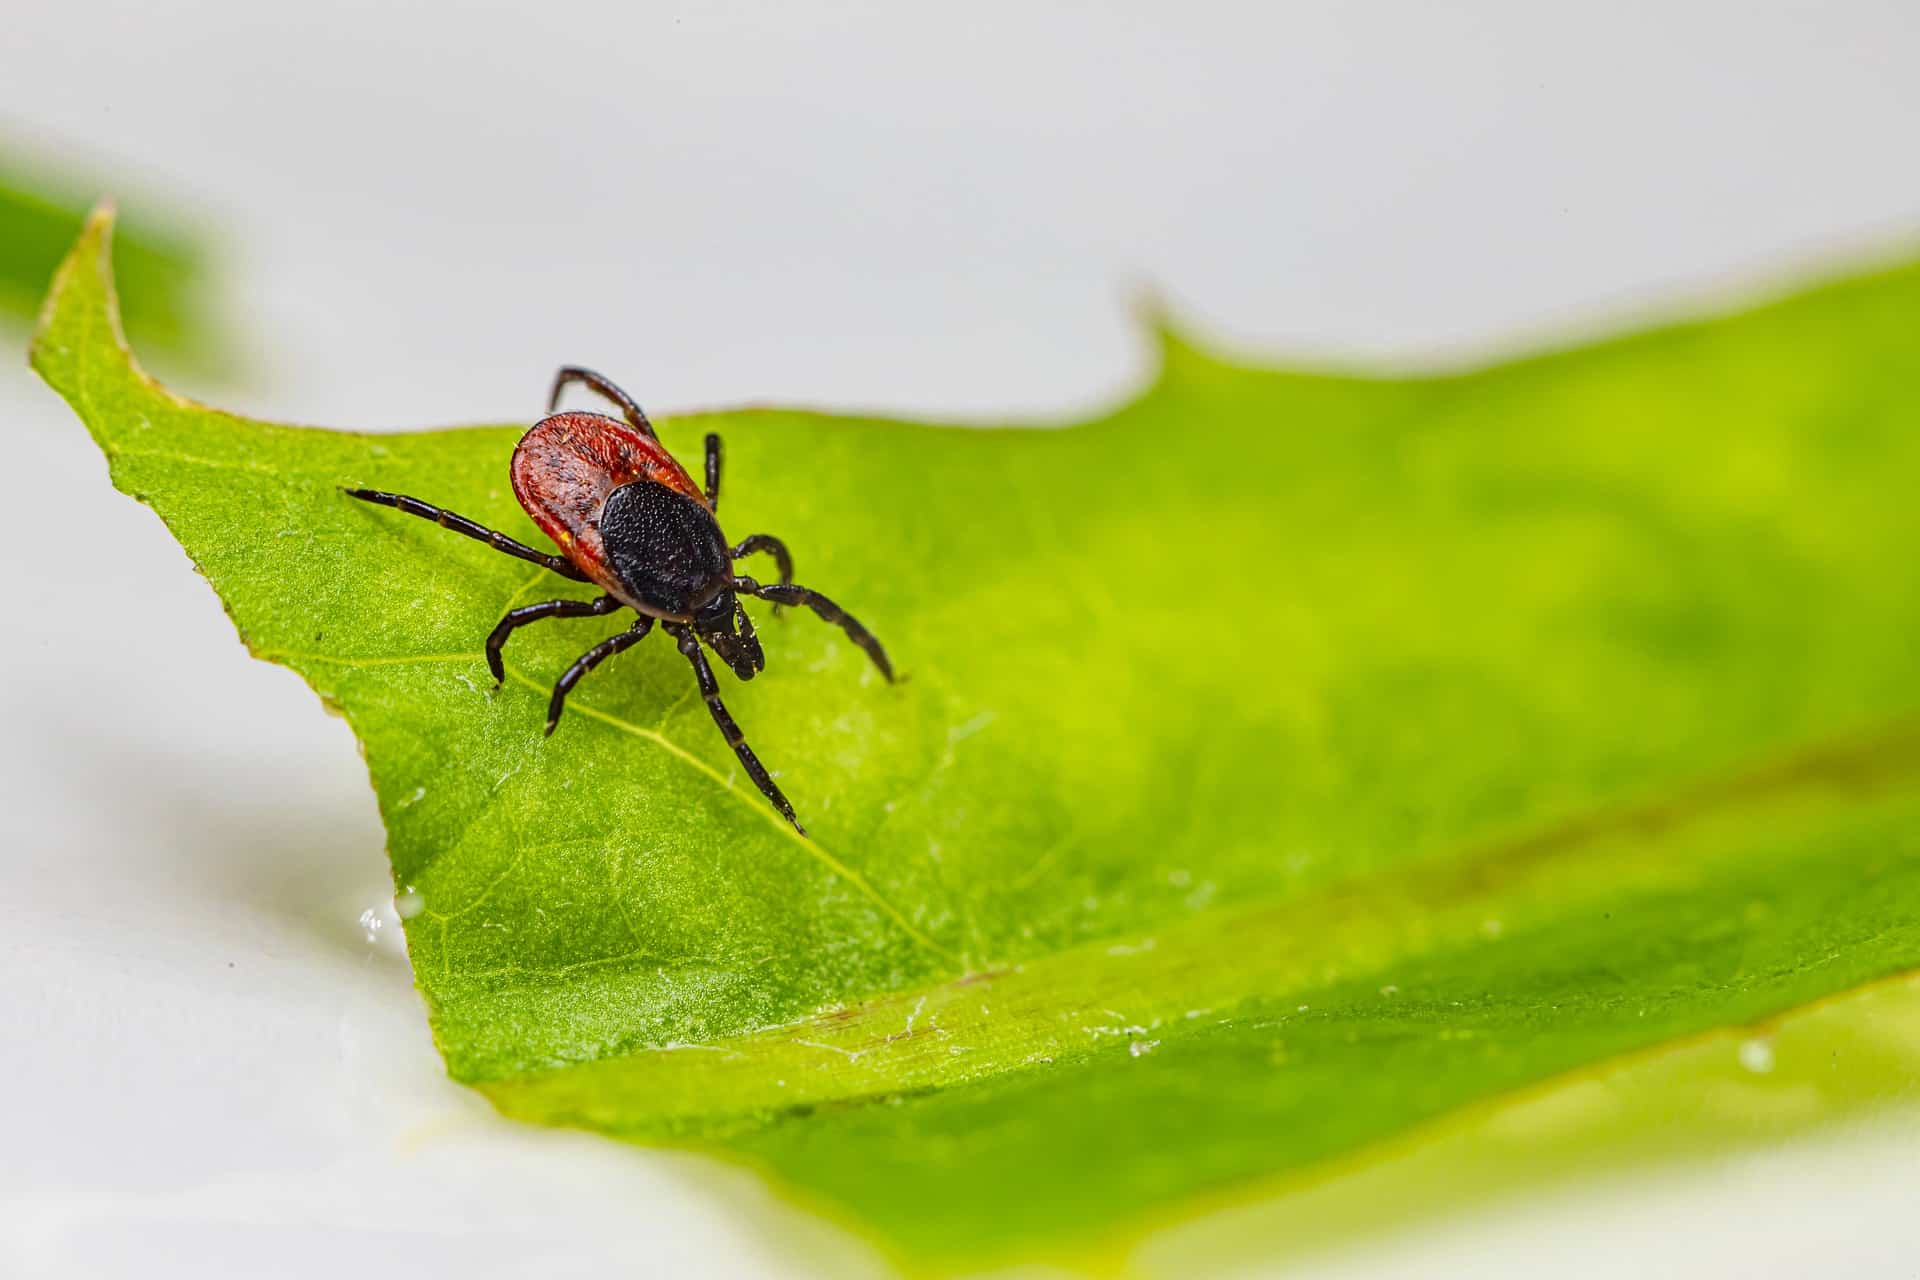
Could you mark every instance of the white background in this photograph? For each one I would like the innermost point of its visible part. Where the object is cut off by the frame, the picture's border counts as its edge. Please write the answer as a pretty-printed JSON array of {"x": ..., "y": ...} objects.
[{"x": 206, "y": 1066}]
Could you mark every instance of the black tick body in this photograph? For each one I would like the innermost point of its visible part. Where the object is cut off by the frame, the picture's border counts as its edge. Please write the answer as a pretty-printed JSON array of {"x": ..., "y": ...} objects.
[{"x": 629, "y": 519}]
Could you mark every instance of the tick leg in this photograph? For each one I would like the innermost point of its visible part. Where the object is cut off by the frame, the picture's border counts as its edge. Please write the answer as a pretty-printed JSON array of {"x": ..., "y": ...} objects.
[
  {"x": 471, "y": 528},
  {"x": 520, "y": 617},
  {"x": 713, "y": 471},
  {"x": 787, "y": 593},
  {"x": 636, "y": 418},
  {"x": 772, "y": 546},
  {"x": 588, "y": 661},
  {"x": 710, "y": 690}
]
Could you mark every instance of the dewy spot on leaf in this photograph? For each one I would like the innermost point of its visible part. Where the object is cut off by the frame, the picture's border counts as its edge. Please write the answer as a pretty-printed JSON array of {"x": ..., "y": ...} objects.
[{"x": 1756, "y": 1055}]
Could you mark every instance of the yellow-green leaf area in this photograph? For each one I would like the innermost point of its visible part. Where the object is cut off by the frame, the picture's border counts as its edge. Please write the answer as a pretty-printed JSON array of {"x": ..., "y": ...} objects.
[{"x": 1284, "y": 760}]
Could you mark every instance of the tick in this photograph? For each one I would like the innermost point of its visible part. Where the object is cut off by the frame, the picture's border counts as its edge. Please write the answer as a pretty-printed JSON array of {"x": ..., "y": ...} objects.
[{"x": 629, "y": 519}]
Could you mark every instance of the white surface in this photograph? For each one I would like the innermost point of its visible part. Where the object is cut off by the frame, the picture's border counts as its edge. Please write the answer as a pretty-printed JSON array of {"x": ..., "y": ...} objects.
[{"x": 205, "y": 1065}]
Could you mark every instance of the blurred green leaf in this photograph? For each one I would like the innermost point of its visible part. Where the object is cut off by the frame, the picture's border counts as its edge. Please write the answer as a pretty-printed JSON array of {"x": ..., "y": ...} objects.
[
  {"x": 1285, "y": 760},
  {"x": 161, "y": 270}
]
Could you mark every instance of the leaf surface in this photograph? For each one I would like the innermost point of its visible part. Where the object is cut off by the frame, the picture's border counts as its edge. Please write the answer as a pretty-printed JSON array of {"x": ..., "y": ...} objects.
[{"x": 1284, "y": 759}]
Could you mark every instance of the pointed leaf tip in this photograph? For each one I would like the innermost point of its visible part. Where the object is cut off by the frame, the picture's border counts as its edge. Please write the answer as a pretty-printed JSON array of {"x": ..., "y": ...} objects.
[{"x": 88, "y": 263}]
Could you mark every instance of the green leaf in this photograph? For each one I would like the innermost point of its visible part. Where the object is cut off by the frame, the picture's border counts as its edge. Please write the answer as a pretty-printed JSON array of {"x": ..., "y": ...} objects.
[{"x": 1284, "y": 760}]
